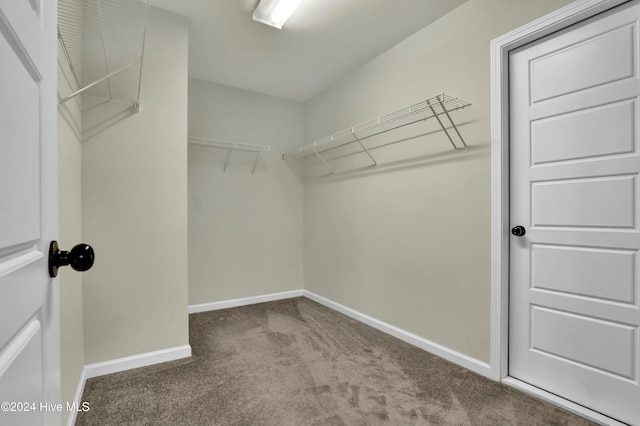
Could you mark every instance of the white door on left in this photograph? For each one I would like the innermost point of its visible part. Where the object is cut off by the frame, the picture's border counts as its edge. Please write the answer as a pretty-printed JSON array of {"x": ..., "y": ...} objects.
[{"x": 29, "y": 316}]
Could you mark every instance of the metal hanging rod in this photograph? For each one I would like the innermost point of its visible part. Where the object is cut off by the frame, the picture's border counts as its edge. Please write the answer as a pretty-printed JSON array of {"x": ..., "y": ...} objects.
[
  {"x": 229, "y": 146},
  {"x": 434, "y": 107},
  {"x": 100, "y": 80},
  {"x": 103, "y": 40}
]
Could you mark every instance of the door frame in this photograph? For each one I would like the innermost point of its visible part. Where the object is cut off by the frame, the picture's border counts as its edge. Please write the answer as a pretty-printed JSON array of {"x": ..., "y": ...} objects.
[{"x": 500, "y": 225}]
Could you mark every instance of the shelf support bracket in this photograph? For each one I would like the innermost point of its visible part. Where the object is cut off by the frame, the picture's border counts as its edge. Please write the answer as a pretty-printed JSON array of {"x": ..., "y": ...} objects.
[
  {"x": 68, "y": 57},
  {"x": 444, "y": 129},
  {"x": 297, "y": 168},
  {"x": 441, "y": 102},
  {"x": 255, "y": 162},
  {"x": 322, "y": 159},
  {"x": 226, "y": 161},
  {"x": 375, "y": 163}
]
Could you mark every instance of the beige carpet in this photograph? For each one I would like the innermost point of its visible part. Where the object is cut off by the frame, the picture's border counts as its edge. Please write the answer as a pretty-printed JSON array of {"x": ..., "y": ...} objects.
[{"x": 295, "y": 362}]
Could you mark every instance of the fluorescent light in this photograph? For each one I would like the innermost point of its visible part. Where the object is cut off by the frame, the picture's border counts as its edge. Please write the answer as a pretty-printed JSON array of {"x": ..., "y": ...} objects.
[{"x": 275, "y": 12}]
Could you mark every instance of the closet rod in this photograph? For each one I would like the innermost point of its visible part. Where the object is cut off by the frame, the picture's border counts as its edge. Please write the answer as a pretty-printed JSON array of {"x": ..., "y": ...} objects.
[
  {"x": 219, "y": 143},
  {"x": 100, "y": 80}
]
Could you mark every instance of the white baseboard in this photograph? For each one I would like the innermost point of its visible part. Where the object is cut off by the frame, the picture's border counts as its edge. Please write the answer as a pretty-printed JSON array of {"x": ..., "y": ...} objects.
[
  {"x": 214, "y": 306},
  {"x": 461, "y": 359},
  {"x": 77, "y": 400},
  {"x": 136, "y": 361}
]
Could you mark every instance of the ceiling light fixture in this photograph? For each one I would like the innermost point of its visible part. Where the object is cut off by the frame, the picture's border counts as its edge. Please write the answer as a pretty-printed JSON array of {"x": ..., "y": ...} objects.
[{"x": 275, "y": 12}]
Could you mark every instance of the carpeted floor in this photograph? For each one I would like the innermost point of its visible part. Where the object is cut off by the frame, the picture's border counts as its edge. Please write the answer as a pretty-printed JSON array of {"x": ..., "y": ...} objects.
[{"x": 295, "y": 362}]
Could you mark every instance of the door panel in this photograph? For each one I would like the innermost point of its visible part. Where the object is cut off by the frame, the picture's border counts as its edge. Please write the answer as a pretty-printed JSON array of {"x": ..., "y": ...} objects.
[
  {"x": 29, "y": 323},
  {"x": 584, "y": 340},
  {"x": 574, "y": 166},
  {"x": 19, "y": 150},
  {"x": 22, "y": 25},
  {"x": 553, "y": 73},
  {"x": 22, "y": 380},
  {"x": 603, "y": 202},
  {"x": 583, "y": 270},
  {"x": 589, "y": 133}
]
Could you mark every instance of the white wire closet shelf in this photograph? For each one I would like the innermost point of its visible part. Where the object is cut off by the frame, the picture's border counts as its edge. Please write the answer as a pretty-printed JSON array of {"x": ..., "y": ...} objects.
[
  {"x": 103, "y": 42},
  {"x": 435, "y": 107},
  {"x": 229, "y": 146}
]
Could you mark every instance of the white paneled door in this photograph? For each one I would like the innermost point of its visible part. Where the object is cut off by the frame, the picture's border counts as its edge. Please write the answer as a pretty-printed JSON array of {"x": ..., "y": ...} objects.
[
  {"x": 29, "y": 328},
  {"x": 574, "y": 190}
]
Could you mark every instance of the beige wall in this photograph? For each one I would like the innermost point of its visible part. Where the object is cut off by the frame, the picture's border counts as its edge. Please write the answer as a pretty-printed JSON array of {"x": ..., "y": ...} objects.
[
  {"x": 245, "y": 231},
  {"x": 70, "y": 186},
  {"x": 409, "y": 243},
  {"x": 134, "y": 209}
]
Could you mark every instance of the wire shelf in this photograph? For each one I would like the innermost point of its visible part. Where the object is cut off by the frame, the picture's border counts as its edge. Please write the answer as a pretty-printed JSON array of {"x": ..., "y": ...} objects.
[
  {"x": 103, "y": 42},
  {"x": 229, "y": 146},
  {"x": 434, "y": 107}
]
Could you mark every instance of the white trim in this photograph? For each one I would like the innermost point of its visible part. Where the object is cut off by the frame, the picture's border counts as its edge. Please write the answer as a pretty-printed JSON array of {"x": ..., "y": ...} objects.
[
  {"x": 136, "y": 361},
  {"x": 500, "y": 48},
  {"x": 233, "y": 303},
  {"x": 561, "y": 402},
  {"x": 77, "y": 400},
  {"x": 461, "y": 359}
]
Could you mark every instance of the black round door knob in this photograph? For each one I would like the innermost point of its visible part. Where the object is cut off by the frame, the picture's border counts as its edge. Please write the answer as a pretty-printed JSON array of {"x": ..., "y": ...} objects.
[
  {"x": 80, "y": 258},
  {"x": 518, "y": 231}
]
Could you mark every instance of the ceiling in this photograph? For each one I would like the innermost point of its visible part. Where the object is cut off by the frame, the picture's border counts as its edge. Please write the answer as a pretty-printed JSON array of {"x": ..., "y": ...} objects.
[{"x": 323, "y": 40}]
